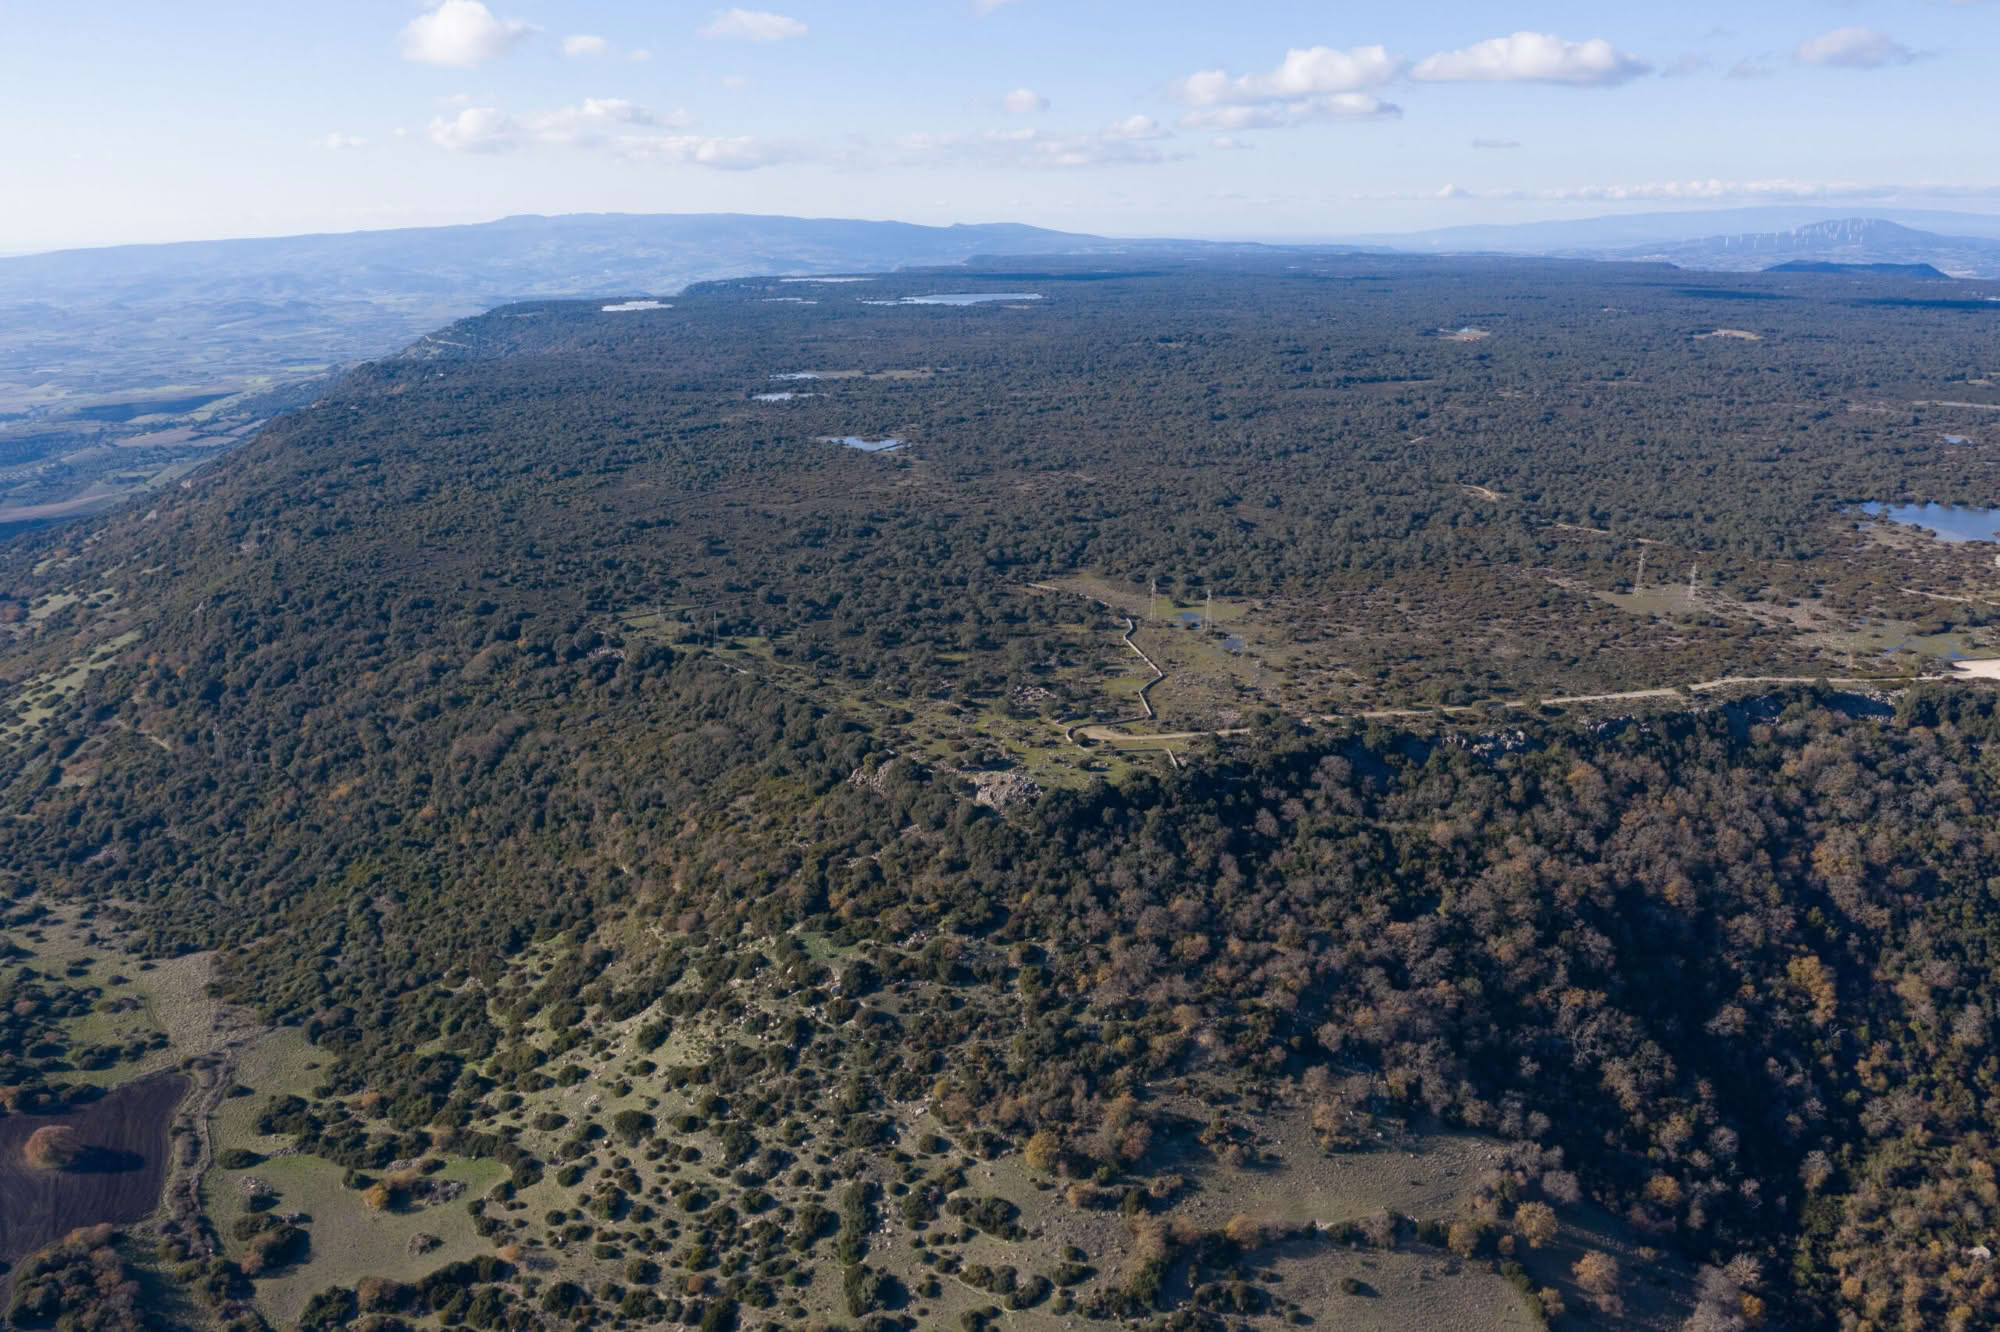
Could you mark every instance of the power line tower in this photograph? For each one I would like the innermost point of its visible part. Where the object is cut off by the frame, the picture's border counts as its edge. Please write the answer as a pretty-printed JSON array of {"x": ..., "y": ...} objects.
[
  {"x": 1642, "y": 570},
  {"x": 1694, "y": 572},
  {"x": 1152, "y": 599}
]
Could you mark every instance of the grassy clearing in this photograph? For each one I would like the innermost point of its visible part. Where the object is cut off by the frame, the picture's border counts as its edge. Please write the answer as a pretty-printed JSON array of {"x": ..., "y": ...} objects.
[
  {"x": 1872, "y": 644},
  {"x": 43, "y": 607},
  {"x": 1665, "y": 601},
  {"x": 140, "y": 1000},
  {"x": 41, "y": 697},
  {"x": 348, "y": 1240}
]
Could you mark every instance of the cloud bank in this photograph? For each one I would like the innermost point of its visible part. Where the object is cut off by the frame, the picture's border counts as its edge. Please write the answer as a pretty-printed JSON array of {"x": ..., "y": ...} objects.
[
  {"x": 1304, "y": 72},
  {"x": 1534, "y": 57}
]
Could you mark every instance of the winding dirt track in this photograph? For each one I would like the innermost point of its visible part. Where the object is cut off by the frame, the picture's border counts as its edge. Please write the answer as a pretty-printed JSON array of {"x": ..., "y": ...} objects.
[
  {"x": 1105, "y": 732},
  {"x": 1144, "y": 702},
  {"x": 1084, "y": 733}
]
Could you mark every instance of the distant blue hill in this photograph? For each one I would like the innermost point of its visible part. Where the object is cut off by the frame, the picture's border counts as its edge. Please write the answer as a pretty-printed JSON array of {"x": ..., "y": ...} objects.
[{"x": 1887, "y": 270}]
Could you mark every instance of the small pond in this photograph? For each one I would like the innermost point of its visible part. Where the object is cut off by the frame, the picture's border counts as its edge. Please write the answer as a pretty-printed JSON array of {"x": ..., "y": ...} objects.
[
  {"x": 962, "y": 298},
  {"x": 1950, "y": 522},
  {"x": 865, "y": 445}
]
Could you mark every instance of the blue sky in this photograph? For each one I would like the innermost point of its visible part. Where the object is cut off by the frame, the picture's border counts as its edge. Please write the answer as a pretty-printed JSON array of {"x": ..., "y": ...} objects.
[{"x": 132, "y": 121}]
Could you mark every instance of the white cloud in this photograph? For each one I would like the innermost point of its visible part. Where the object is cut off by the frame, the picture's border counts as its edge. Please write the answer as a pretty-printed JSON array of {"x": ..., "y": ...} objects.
[
  {"x": 476, "y": 129},
  {"x": 592, "y": 121},
  {"x": 752, "y": 25},
  {"x": 734, "y": 81},
  {"x": 1135, "y": 141},
  {"x": 741, "y": 152},
  {"x": 1496, "y": 143},
  {"x": 612, "y": 123},
  {"x": 1284, "y": 115},
  {"x": 1854, "y": 48},
  {"x": 1024, "y": 102},
  {"x": 1310, "y": 83},
  {"x": 988, "y": 6},
  {"x": 1135, "y": 127},
  {"x": 342, "y": 142},
  {"x": 1305, "y": 71},
  {"x": 583, "y": 44},
  {"x": 463, "y": 33},
  {"x": 640, "y": 56},
  {"x": 1687, "y": 66},
  {"x": 1533, "y": 57},
  {"x": 1229, "y": 143}
]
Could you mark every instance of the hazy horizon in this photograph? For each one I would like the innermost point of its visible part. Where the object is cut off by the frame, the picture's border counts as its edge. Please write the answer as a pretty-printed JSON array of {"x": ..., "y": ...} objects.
[
  {"x": 1242, "y": 237},
  {"x": 1278, "y": 120}
]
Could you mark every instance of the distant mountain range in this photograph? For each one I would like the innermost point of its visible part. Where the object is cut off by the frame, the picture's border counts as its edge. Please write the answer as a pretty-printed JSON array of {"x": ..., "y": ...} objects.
[
  {"x": 82, "y": 330},
  {"x": 1593, "y": 236},
  {"x": 1855, "y": 243},
  {"x": 1741, "y": 240},
  {"x": 121, "y": 367},
  {"x": 78, "y": 325}
]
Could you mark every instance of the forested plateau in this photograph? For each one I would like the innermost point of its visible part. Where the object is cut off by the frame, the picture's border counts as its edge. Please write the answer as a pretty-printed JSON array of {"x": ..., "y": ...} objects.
[{"x": 1341, "y": 791}]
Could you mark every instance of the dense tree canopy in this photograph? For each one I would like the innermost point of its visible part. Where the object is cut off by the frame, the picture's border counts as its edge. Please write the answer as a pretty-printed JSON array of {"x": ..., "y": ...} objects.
[{"x": 368, "y": 708}]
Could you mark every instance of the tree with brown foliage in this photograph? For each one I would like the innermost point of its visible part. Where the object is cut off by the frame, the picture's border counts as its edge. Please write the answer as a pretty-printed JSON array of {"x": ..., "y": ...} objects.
[
  {"x": 1536, "y": 1223},
  {"x": 54, "y": 1147},
  {"x": 1596, "y": 1274}
]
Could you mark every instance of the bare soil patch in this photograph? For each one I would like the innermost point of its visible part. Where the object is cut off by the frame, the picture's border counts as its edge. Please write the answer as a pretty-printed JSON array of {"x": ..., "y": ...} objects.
[{"x": 116, "y": 1179}]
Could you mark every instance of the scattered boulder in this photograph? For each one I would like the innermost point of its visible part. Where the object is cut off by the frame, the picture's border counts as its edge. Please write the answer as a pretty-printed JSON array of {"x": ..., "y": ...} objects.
[{"x": 1003, "y": 790}]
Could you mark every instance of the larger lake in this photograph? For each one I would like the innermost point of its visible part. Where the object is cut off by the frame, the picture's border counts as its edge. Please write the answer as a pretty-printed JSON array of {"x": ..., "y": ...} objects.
[
  {"x": 1949, "y": 521},
  {"x": 962, "y": 298}
]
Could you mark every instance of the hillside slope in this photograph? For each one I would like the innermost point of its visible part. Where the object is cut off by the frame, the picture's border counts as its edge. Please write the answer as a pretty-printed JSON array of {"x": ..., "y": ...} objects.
[
  {"x": 122, "y": 367},
  {"x": 580, "y": 761}
]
